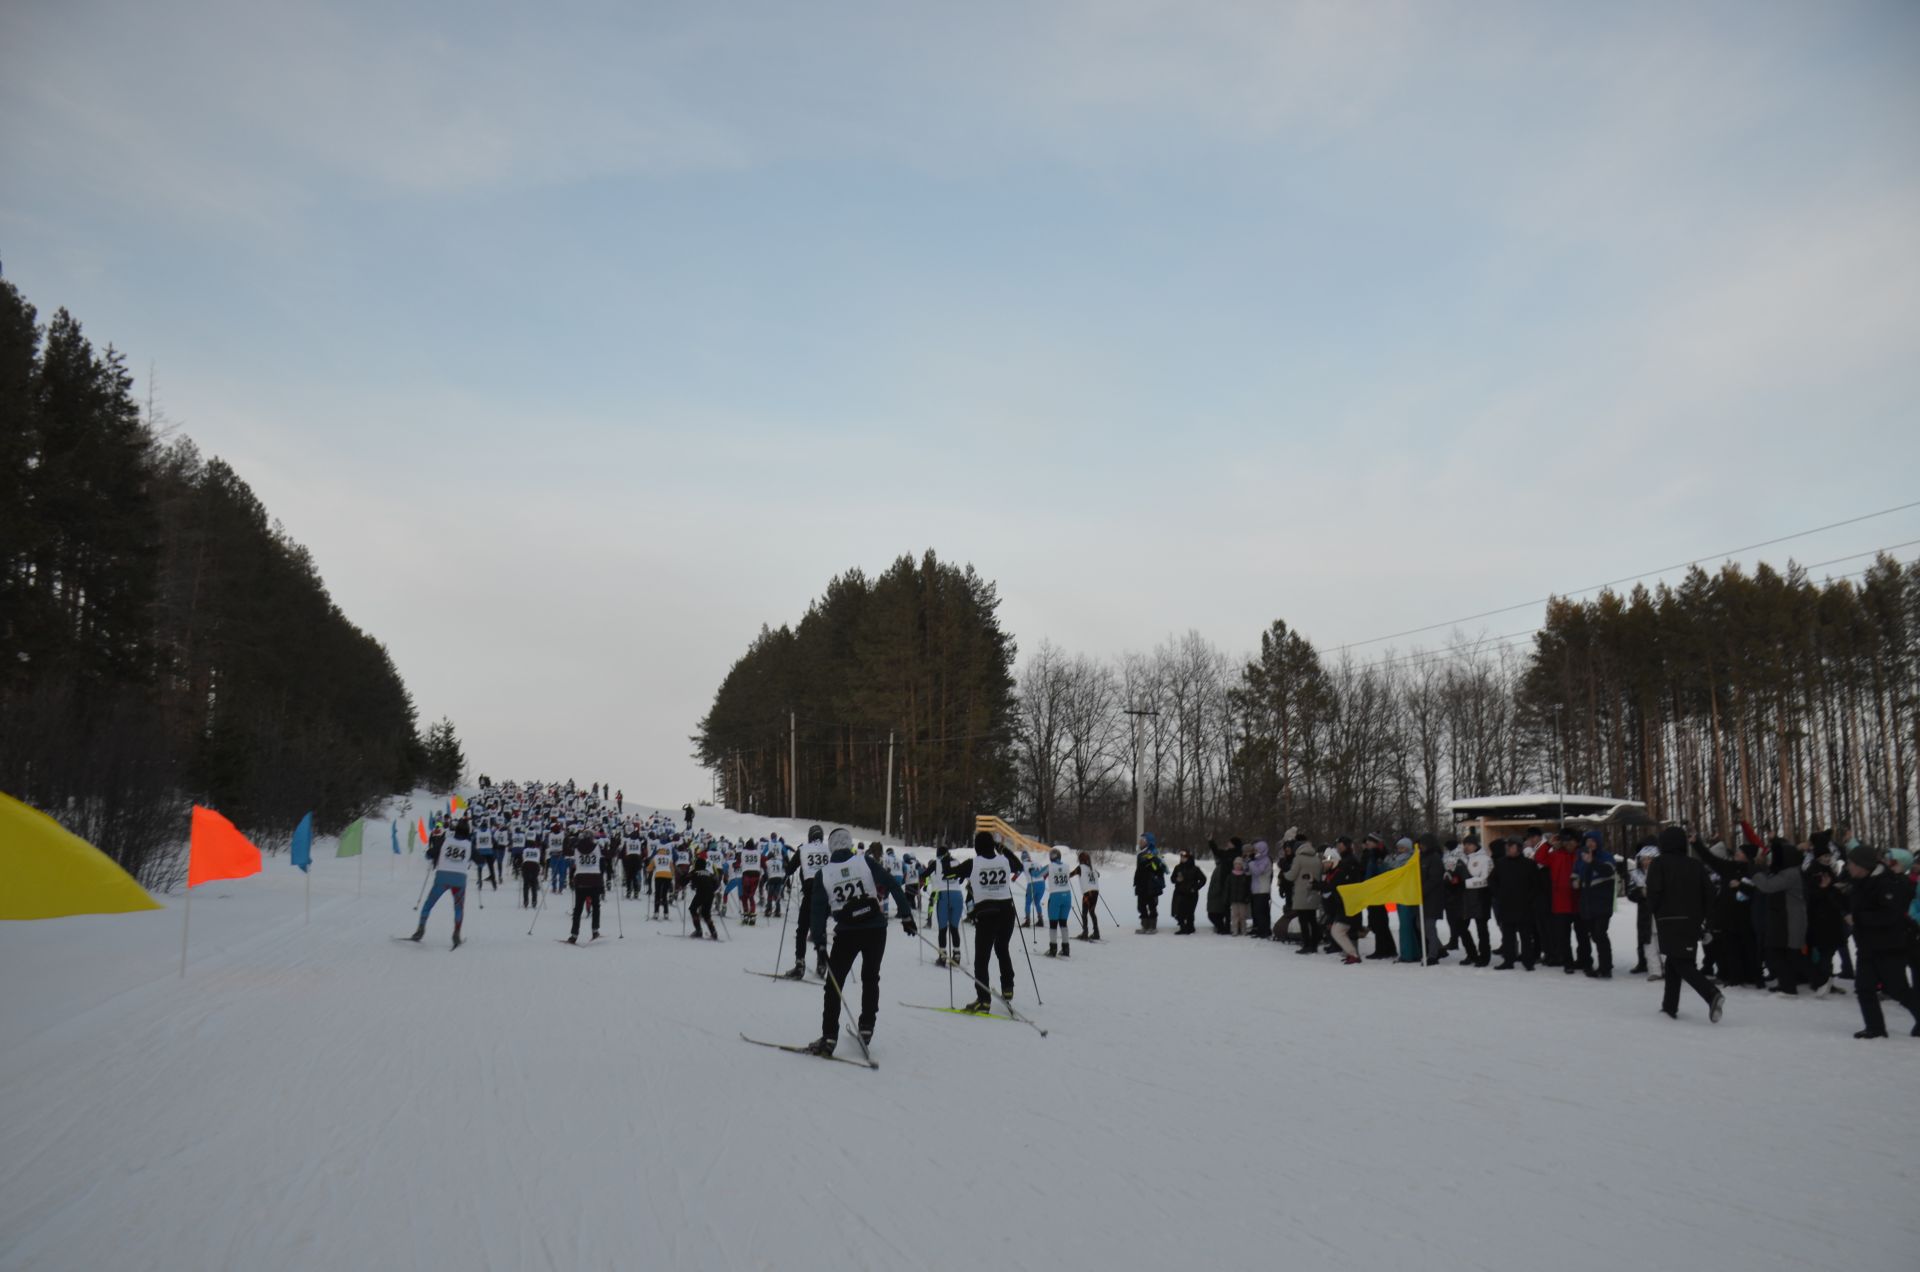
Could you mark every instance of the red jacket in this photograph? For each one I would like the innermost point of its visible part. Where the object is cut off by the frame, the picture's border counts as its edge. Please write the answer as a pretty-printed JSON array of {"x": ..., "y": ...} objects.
[{"x": 1560, "y": 863}]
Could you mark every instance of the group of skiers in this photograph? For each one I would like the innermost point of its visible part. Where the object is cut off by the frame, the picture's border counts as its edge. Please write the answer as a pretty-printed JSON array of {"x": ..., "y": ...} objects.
[{"x": 1772, "y": 913}]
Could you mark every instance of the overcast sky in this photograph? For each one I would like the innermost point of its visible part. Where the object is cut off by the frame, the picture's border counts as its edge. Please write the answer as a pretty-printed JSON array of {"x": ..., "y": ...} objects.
[{"x": 579, "y": 340}]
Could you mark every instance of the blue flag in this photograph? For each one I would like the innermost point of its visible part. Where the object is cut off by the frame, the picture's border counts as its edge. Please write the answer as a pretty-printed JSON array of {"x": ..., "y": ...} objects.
[
  {"x": 302, "y": 852},
  {"x": 393, "y": 831}
]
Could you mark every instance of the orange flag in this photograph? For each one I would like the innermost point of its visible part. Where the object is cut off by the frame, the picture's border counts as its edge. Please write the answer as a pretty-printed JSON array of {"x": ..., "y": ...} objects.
[
  {"x": 423, "y": 830},
  {"x": 217, "y": 850}
]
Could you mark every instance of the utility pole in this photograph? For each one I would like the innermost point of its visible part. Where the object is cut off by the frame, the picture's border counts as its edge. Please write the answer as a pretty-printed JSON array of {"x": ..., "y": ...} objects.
[
  {"x": 886, "y": 828},
  {"x": 793, "y": 766},
  {"x": 1139, "y": 715}
]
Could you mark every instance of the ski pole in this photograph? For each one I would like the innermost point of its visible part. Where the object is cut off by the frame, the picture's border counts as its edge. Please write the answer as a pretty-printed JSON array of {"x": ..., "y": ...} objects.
[
  {"x": 780, "y": 946},
  {"x": 539, "y": 904},
  {"x": 1030, "y": 973},
  {"x": 1110, "y": 918},
  {"x": 428, "y": 878}
]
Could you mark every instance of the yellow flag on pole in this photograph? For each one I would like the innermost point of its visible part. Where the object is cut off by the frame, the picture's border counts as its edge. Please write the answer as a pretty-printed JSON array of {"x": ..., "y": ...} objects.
[
  {"x": 1395, "y": 887},
  {"x": 50, "y": 872}
]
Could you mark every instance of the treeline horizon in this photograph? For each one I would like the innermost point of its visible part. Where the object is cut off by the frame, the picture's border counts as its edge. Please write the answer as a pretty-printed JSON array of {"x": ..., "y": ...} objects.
[
  {"x": 164, "y": 640},
  {"x": 1766, "y": 695}
]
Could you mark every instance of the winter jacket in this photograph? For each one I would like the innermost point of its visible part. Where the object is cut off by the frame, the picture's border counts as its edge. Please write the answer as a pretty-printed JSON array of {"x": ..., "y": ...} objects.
[
  {"x": 1560, "y": 864},
  {"x": 1188, "y": 879},
  {"x": 1348, "y": 871},
  {"x": 1223, "y": 859},
  {"x": 1479, "y": 865},
  {"x": 1826, "y": 911},
  {"x": 1680, "y": 891},
  {"x": 1260, "y": 869},
  {"x": 1595, "y": 883},
  {"x": 1786, "y": 900},
  {"x": 1513, "y": 884},
  {"x": 1149, "y": 874},
  {"x": 1880, "y": 904},
  {"x": 1303, "y": 874},
  {"x": 1433, "y": 869},
  {"x": 1239, "y": 885}
]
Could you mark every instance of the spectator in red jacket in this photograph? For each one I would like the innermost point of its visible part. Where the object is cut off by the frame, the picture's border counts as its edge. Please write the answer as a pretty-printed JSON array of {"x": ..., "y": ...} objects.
[{"x": 1561, "y": 860}]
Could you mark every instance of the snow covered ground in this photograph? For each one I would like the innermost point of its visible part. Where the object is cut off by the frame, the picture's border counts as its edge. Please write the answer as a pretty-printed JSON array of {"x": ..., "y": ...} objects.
[{"x": 318, "y": 1096}]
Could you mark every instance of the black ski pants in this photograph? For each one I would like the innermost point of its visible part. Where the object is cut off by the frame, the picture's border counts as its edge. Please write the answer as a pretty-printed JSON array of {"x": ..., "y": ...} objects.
[
  {"x": 529, "y": 884},
  {"x": 662, "y": 896},
  {"x": 1184, "y": 904},
  {"x": 869, "y": 945},
  {"x": 700, "y": 910},
  {"x": 587, "y": 892},
  {"x": 1382, "y": 928},
  {"x": 1876, "y": 970},
  {"x": 1678, "y": 948},
  {"x": 993, "y": 923}
]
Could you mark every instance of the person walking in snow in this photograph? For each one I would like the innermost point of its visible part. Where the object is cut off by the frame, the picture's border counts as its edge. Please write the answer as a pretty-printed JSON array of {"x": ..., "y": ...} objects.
[
  {"x": 751, "y": 853},
  {"x": 1680, "y": 891},
  {"x": 452, "y": 858},
  {"x": 1036, "y": 890},
  {"x": 849, "y": 890},
  {"x": 663, "y": 881},
  {"x": 1879, "y": 917},
  {"x": 773, "y": 875}
]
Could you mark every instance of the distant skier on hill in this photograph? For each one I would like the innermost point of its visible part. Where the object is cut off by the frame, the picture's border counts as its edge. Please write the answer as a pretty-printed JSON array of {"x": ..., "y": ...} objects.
[
  {"x": 704, "y": 884},
  {"x": 1089, "y": 876},
  {"x": 1059, "y": 901}
]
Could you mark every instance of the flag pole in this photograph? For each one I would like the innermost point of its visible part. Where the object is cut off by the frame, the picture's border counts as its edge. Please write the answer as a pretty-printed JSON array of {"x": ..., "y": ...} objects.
[
  {"x": 186, "y": 924},
  {"x": 1421, "y": 881},
  {"x": 360, "y": 868},
  {"x": 308, "y": 872}
]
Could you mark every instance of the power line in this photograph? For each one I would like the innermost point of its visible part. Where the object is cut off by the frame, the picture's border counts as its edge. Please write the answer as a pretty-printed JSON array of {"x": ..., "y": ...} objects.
[{"x": 1711, "y": 556}]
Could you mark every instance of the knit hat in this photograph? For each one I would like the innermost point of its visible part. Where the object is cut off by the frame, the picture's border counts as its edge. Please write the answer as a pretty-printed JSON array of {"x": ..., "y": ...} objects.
[
  {"x": 1595, "y": 837},
  {"x": 983, "y": 841},
  {"x": 1403, "y": 844},
  {"x": 1673, "y": 840},
  {"x": 1862, "y": 856}
]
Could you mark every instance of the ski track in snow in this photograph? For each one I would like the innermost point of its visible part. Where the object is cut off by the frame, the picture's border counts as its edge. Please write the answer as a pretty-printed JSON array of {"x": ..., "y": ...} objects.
[{"x": 321, "y": 1097}]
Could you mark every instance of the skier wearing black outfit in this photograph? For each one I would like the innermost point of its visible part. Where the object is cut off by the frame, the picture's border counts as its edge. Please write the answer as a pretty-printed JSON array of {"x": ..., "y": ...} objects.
[
  {"x": 588, "y": 887},
  {"x": 1679, "y": 891},
  {"x": 705, "y": 883},
  {"x": 992, "y": 874},
  {"x": 850, "y": 888},
  {"x": 814, "y": 856}
]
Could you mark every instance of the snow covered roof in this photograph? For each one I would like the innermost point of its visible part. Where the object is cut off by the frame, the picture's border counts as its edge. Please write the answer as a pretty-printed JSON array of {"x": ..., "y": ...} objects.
[{"x": 1542, "y": 806}]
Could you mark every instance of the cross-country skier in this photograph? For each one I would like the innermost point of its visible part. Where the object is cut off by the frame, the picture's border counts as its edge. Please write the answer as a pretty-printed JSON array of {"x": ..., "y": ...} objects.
[
  {"x": 850, "y": 887},
  {"x": 948, "y": 880},
  {"x": 529, "y": 866},
  {"x": 587, "y": 854},
  {"x": 452, "y": 858},
  {"x": 1036, "y": 890},
  {"x": 773, "y": 872},
  {"x": 910, "y": 880},
  {"x": 485, "y": 864},
  {"x": 991, "y": 874},
  {"x": 633, "y": 859},
  {"x": 1089, "y": 875},
  {"x": 704, "y": 883},
  {"x": 1059, "y": 901},
  {"x": 662, "y": 881},
  {"x": 750, "y": 854},
  {"x": 813, "y": 859}
]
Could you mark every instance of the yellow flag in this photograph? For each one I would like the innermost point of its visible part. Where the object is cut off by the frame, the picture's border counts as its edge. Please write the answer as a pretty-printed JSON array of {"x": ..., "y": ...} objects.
[
  {"x": 46, "y": 871},
  {"x": 1395, "y": 887}
]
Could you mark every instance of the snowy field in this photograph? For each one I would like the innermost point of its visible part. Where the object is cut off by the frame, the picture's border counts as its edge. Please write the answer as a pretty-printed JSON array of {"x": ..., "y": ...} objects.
[{"x": 319, "y": 1097}]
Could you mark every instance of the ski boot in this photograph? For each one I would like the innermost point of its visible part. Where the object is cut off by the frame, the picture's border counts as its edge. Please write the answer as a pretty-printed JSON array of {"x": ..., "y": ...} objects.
[
  {"x": 941, "y": 961},
  {"x": 1053, "y": 951},
  {"x": 821, "y": 1046},
  {"x": 820, "y": 967},
  {"x": 799, "y": 972},
  {"x": 866, "y": 1037},
  {"x": 1065, "y": 949},
  {"x": 978, "y": 1005},
  {"x": 1006, "y": 994},
  {"x": 574, "y": 939},
  {"x": 419, "y": 931},
  {"x": 456, "y": 938}
]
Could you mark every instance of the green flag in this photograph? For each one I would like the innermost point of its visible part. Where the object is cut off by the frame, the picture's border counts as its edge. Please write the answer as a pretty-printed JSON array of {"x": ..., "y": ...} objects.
[
  {"x": 350, "y": 839},
  {"x": 413, "y": 837}
]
